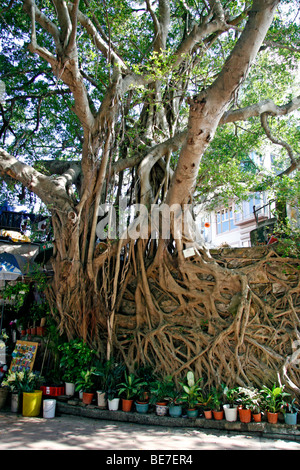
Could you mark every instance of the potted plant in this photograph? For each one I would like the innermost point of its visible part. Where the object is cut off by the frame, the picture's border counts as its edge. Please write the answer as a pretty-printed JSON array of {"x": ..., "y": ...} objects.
[
  {"x": 12, "y": 383},
  {"x": 230, "y": 405},
  {"x": 256, "y": 406},
  {"x": 217, "y": 407},
  {"x": 273, "y": 399},
  {"x": 174, "y": 401},
  {"x": 205, "y": 402},
  {"x": 245, "y": 401},
  {"x": 114, "y": 375},
  {"x": 142, "y": 400},
  {"x": 160, "y": 389},
  {"x": 75, "y": 357},
  {"x": 85, "y": 383},
  {"x": 290, "y": 410},
  {"x": 129, "y": 388},
  {"x": 24, "y": 384},
  {"x": 190, "y": 395},
  {"x": 101, "y": 371},
  {"x": 32, "y": 396}
]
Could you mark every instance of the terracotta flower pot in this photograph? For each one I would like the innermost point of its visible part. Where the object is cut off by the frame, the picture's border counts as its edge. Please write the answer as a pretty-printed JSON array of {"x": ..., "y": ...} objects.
[
  {"x": 40, "y": 330},
  {"x": 87, "y": 398},
  {"x": 257, "y": 417},
  {"x": 126, "y": 404},
  {"x": 272, "y": 417},
  {"x": 208, "y": 414},
  {"x": 218, "y": 415},
  {"x": 244, "y": 415}
]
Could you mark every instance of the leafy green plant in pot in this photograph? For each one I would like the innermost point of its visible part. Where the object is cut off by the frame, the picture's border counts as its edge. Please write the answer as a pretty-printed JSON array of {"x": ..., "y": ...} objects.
[
  {"x": 146, "y": 374},
  {"x": 75, "y": 357},
  {"x": 160, "y": 390},
  {"x": 101, "y": 371},
  {"x": 175, "y": 401},
  {"x": 217, "y": 407},
  {"x": 85, "y": 383},
  {"x": 205, "y": 402},
  {"x": 244, "y": 400},
  {"x": 129, "y": 388},
  {"x": 273, "y": 399},
  {"x": 290, "y": 410},
  {"x": 190, "y": 394},
  {"x": 113, "y": 379},
  {"x": 230, "y": 405},
  {"x": 255, "y": 406}
]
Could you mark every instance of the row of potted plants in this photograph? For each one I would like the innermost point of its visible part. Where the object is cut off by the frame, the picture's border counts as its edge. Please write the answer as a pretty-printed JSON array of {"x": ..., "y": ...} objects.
[
  {"x": 115, "y": 383},
  {"x": 112, "y": 383}
]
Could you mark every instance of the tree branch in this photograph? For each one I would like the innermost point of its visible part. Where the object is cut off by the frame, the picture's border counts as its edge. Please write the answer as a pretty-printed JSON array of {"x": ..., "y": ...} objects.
[
  {"x": 50, "y": 190},
  {"x": 255, "y": 110}
]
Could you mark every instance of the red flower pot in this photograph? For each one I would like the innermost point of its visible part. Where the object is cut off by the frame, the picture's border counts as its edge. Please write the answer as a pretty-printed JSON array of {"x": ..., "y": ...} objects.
[
  {"x": 87, "y": 398},
  {"x": 244, "y": 415},
  {"x": 272, "y": 417},
  {"x": 257, "y": 417},
  {"x": 126, "y": 404},
  {"x": 208, "y": 414},
  {"x": 218, "y": 415}
]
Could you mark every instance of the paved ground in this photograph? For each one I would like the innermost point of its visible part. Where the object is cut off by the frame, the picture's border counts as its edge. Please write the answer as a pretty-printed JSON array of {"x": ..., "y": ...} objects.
[{"x": 77, "y": 433}]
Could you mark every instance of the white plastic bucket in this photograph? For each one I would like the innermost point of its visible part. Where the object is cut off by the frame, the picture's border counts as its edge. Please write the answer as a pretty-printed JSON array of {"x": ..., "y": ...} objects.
[
  {"x": 70, "y": 389},
  {"x": 49, "y": 408}
]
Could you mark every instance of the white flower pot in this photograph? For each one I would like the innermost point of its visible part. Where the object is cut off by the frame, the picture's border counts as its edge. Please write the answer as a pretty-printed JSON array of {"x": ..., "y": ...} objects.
[
  {"x": 15, "y": 402},
  {"x": 69, "y": 389},
  {"x": 101, "y": 400},
  {"x": 230, "y": 413},
  {"x": 113, "y": 405}
]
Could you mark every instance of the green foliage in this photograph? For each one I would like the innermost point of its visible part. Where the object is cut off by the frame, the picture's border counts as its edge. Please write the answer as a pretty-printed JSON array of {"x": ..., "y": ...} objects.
[
  {"x": 17, "y": 293},
  {"x": 217, "y": 398},
  {"x": 131, "y": 386},
  {"x": 76, "y": 356},
  {"x": 85, "y": 381},
  {"x": 273, "y": 398},
  {"x": 231, "y": 395},
  {"x": 191, "y": 390},
  {"x": 161, "y": 389},
  {"x": 37, "y": 118},
  {"x": 113, "y": 379},
  {"x": 21, "y": 381}
]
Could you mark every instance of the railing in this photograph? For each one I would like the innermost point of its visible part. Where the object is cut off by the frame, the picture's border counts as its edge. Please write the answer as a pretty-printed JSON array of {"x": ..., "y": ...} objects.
[{"x": 257, "y": 210}]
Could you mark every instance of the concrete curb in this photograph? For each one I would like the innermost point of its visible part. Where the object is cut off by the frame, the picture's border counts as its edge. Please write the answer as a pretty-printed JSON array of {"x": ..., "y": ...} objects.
[{"x": 265, "y": 429}]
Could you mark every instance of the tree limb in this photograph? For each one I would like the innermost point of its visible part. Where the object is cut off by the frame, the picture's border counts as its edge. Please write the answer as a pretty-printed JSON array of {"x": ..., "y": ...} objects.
[
  {"x": 255, "y": 110},
  {"x": 51, "y": 191}
]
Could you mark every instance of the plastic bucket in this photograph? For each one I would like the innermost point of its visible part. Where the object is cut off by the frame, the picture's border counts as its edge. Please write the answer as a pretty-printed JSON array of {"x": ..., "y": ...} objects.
[
  {"x": 32, "y": 403},
  {"x": 69, "y": 389},
  {"x": 49, "y": 408}
]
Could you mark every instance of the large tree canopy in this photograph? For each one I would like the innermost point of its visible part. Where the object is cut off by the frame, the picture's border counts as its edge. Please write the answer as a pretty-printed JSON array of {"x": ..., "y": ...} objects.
[{"x": 160, "y": 102}]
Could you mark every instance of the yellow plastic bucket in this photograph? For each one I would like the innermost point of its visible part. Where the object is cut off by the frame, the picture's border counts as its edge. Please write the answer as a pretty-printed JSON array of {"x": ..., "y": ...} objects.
[{"x": 32, "y": 403}]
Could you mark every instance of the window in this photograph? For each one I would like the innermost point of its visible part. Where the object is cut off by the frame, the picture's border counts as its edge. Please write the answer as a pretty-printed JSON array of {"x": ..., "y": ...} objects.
[{"x": 225, "y": 220}]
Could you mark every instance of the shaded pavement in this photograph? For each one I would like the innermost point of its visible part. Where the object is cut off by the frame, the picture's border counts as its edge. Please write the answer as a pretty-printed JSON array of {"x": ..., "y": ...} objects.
[{"x": 78, "y": 433}]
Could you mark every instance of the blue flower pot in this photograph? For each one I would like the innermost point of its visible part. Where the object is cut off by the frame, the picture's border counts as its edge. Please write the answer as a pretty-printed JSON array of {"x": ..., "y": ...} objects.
[
  {"x": 142, "y": 407},
  {"x": 290, "y": 418},
  {"x": 192, "y": 413},
  {"x": 175, "y": 411}
]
